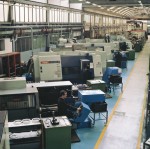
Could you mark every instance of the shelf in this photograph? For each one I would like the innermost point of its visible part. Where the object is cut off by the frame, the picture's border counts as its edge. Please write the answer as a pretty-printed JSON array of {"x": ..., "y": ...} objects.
[{"x": 10, "y": 63}]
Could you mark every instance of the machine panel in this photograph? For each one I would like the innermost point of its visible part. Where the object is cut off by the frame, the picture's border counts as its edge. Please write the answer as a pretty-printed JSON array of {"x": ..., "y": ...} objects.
[
  {"x": 49, "y": 91},
  {"x": 50, "y": 68}
]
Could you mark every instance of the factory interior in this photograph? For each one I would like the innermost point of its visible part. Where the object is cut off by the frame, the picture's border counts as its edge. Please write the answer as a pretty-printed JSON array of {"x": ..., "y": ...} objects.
[{"x": 74, "y": 74}]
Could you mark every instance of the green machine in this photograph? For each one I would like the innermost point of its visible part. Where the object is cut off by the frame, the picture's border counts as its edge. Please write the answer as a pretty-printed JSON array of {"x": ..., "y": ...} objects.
[
  {"x": 131, "y": 54},
  {"x": 97, "y": 84},
  {"x": 138, "y": 46},
  {"x": 57, "y": 133}
]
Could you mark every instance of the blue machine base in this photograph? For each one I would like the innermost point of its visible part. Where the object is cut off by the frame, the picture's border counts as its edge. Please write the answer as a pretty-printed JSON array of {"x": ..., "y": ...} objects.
[
  {"x": 86, "y": 124},
  {"x": 124, "y": 64}
]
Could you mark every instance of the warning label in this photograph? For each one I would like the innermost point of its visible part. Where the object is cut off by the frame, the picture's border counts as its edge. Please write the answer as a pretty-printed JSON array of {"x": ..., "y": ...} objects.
[{"x": 49, "y": 62}]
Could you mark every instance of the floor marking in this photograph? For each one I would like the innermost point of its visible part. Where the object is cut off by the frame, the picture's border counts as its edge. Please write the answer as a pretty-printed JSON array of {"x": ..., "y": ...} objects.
[{"x": 142, "y": 117}]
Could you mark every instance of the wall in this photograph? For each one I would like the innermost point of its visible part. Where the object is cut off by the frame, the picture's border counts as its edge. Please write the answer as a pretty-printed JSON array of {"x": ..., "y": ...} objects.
[
  {"x": 6, "y": 45},
  {"x": 26, "y": 54}
]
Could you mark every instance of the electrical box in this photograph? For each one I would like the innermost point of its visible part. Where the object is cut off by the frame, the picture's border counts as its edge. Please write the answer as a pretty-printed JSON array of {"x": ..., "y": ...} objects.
[
  {"x": 97, "y": 64},
  {"x": 97, "y": 84},
  {"x": 103, "y": 55},
  {"x": 59, "y": 135},
  {"x": 50, "y": 68}
]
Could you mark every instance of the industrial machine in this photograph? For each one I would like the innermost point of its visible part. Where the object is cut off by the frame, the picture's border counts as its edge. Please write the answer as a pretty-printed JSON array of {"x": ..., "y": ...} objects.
[
  {"x": 49, "y": 91},
  {"x": 27, "y": 128},
  {"x": 48, "y": 67},
  {"x": 67, "y": 67},
  {"x": 20, "y": 101}
]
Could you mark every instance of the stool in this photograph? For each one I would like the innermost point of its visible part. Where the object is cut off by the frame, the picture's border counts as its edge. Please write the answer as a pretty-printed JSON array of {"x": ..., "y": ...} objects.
[{"x": 146, "y": 143}]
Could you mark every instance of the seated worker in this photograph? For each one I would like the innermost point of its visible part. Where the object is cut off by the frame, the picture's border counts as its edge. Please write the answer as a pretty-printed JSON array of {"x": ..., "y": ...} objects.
[{"x": 66, "y": 109}]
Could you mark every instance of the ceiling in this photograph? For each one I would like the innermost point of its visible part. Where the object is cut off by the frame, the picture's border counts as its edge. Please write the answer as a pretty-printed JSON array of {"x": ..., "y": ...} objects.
[{"x": 134, "y": 9}]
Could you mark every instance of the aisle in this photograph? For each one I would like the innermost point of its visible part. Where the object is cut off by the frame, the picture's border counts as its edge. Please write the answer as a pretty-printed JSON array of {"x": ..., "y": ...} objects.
[{"x": 124, "y": 128}]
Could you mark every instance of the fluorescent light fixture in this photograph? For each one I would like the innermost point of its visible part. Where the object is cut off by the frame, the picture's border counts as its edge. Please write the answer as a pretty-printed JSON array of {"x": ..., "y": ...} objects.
[
  {"x": 87, "y": 2},
  {"x": 117, "y": 9},
  {"x": 111, "y": 8},
  {"x": 102, "y": 7},
  {"x": 122, "y": 10},
  {"x": 80, "y": 0},
  {"x": 94, "y": 4}
]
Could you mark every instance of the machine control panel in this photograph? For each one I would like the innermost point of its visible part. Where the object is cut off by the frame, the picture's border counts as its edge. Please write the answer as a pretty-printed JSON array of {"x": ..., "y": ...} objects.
[
  {"x": 50, "y": 67},
  {"x": 62, "y": 122}
]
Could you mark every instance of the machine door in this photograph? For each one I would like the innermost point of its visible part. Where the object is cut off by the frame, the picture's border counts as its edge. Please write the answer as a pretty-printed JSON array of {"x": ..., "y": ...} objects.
[{"x": 50, "y": 68}]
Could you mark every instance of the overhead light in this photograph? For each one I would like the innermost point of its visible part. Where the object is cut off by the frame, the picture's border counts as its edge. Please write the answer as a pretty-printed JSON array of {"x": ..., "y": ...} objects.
[
  {"x": 124, "y": 9},
  {"x": 117, "y": 9},
  {"x": 94, "y": 4},
  {"x": 87, "y": 2},
  {"x": 102, "y": 7},
  {"x": 111, "y": 8}
]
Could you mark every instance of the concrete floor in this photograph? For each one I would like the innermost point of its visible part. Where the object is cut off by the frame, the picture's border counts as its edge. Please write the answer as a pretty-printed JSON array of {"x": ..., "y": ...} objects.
[{"x": 124, "y": 129}]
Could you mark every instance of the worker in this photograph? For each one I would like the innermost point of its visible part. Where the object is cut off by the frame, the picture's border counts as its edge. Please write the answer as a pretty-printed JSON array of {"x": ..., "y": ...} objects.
[
  {"x": 118, "y": 58},
  {"x": 64, "y": 108},
  {"x": 107, "y": 38}
]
